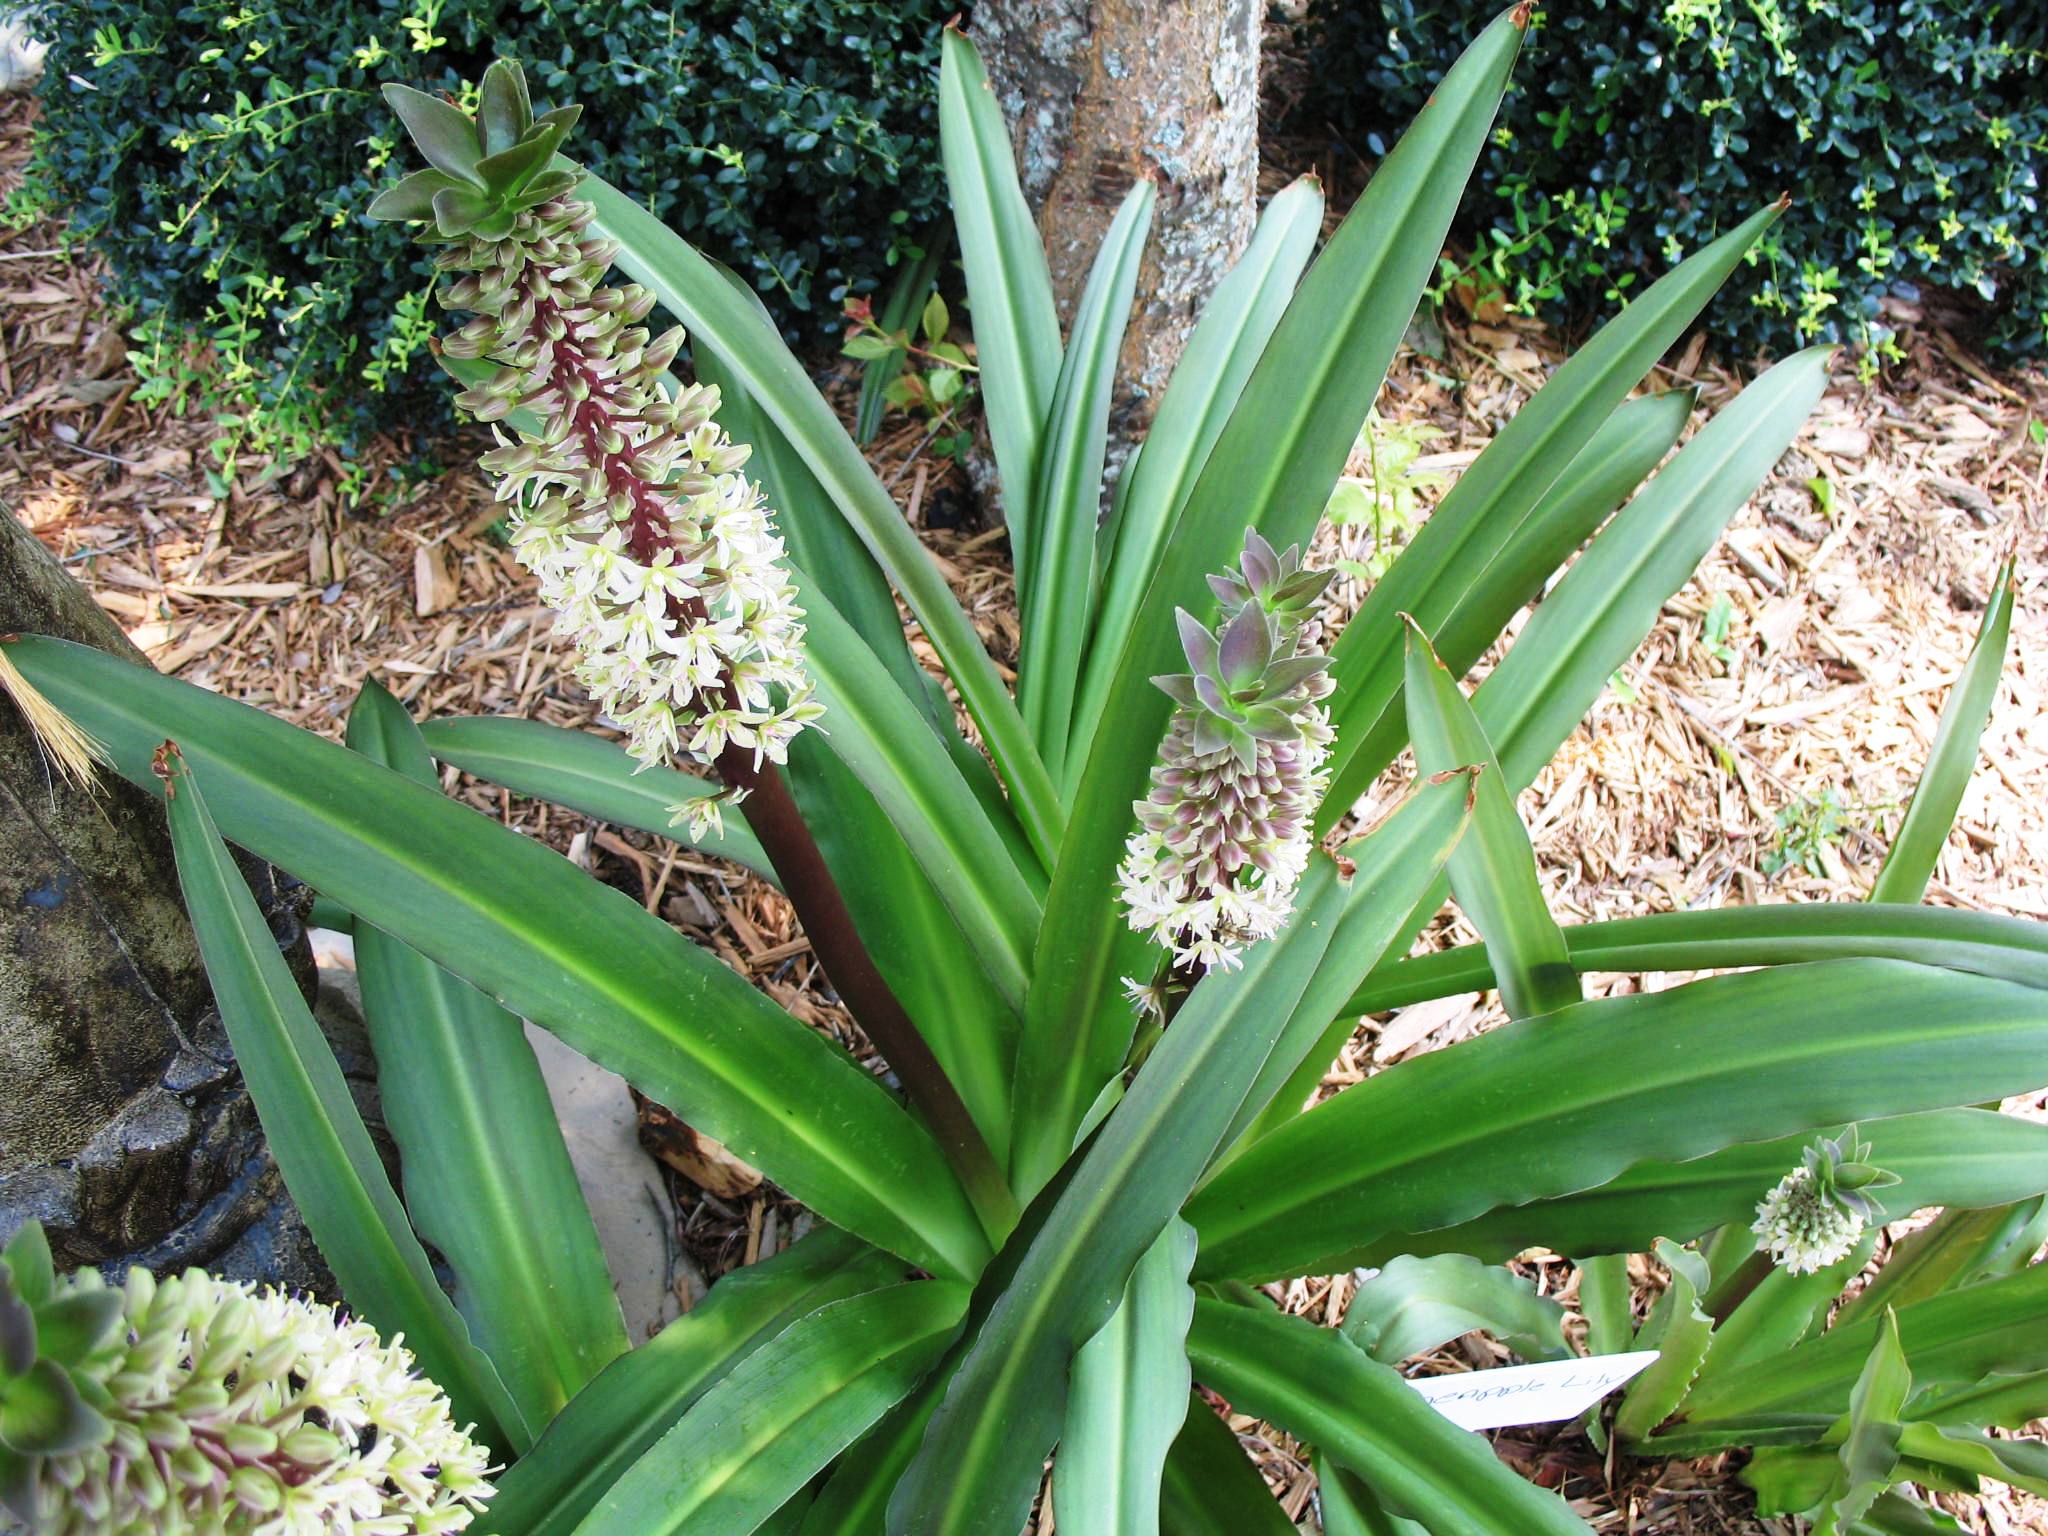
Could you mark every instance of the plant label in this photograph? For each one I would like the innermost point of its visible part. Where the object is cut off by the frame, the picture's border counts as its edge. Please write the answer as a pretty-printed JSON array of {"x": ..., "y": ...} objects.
[{"x": 1530, "y": 1394}]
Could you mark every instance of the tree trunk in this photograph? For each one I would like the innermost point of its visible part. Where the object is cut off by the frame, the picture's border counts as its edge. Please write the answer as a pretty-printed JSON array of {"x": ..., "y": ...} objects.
[
  {"x": 1101, "y": 92},
  {"x": 123, "y": 1123}
]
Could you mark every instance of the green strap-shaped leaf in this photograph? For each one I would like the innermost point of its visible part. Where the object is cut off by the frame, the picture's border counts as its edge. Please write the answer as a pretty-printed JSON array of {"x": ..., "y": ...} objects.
[
  {"x": 486, "y": 1174},
  {"x": 1960, "y": 1336},
  {"x": 1324, "y": 1389},
  {"x": 1871, "y": 1443},
  {"x": 1681, "y": 1333},
  {"x": 1016, "y": 325},
  {"x": 892, "y": 749},
  {"x": 1209, "y": 1488},
  {"x": 638, "y": 1397},
  {"x": 1272, "y": 468},
  {"x": 1443, "y": 1137},
  {"x": 1782, "y": 1310},
  {"x": 1597, "y": 616},
  {"x": 1997, "y": 1402},
  {"x": 1478, "y": 521},
  {"x": 2022, "y": 1463},
  {"x": 1909, "y": 864},
  {"x": 1413, "y": 1305},
  {"x": 753, "y": 352},
  {"x": 313, "y": 1127},
  {"x": 1493, "y": 872},
  {"x": 1350, "y": 1508},
  {"x": 589, "y": 774},
  {"x": 1605, "y": 473},
  {"x": 1235, "y": 326},
  {"x": 1958, "y": 1247},
  {"x": 855, "y": 1498},
  {"x": 1057, "y": 603},
  {"x": 1128, "y": 1400},
  {"x": 1403, "y": 856},
  {"x": 980, "y": 1460},
  {"x": 1963, "y": 1157},
  {"x": 528, "y": 928},
  {"x": 746, "y": 1447},
  {"x": 2010, "y": 948}
]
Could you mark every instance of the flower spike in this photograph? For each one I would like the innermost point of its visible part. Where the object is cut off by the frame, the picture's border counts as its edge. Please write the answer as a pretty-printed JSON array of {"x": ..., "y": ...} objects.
[
  {"x": 1224, "y": 835},
  {"x": 1816, "y": 1214},
  {"x": 629, "y": 502}
]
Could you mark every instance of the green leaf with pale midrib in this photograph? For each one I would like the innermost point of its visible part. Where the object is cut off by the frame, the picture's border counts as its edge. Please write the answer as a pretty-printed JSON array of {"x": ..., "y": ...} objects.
[
  {"x": 528, "y": 928},
  {"x": 1057, "y": 606},
  {"x": 1016, "y": 325},
  {"x": 1128, "y": 1398},
  {"x": 585, "y": 773},
  {"x": 1683, "y": 1072},
  {"x": 1481, "y": 515},
  {"x": 744, "y": 1448},
  {"x": 1207, "y": 381},
  {"x": 1910, "y": 862},
  {"x": 639, "y": 1396},
  {"x": 487, "y": 1175},
  {"x": 1321, "y": 1387},
  {"x": 1272, "y": 468},
  {"x": 1966, "y": 1157},
  {"x": 313, "y": 1127},
  {"x": 2011, "y": 948}
]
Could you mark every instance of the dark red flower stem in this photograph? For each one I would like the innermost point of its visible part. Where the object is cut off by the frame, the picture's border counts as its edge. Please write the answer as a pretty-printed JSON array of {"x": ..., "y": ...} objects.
[{"x": 773, "y": 817}]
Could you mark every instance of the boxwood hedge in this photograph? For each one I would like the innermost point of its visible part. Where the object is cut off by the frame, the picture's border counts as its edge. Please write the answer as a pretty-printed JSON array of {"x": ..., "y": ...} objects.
[
  {"x": 1911, "y": 134},
  {"x": 220, "y": 153}
]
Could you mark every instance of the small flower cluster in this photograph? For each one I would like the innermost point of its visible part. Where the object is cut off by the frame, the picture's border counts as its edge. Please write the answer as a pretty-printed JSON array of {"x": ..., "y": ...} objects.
[
  {"x": 630, "y": 507},
  {"x": 1816, "y": 1214},
  {"x": 1225, "y": 833},
  {"x": 230, "y": 1412}
]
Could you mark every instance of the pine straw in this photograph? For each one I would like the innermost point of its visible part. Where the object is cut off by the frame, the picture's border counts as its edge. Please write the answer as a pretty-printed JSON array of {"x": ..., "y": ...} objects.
[{"x": 1847, "y": 634}]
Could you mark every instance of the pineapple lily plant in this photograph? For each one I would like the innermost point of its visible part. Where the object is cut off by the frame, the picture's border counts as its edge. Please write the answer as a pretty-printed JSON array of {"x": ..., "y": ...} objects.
[{"x": 1055, "y": 1228}]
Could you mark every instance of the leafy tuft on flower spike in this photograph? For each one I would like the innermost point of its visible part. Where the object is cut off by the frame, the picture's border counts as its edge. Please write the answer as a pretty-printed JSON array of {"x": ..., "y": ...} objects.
[
  {"x": 205, "y": 1405},
  {"x": 1816, "y": 1214},
  {"x": 629, "y": 504},
  {"x": 1224, "y": 834}
]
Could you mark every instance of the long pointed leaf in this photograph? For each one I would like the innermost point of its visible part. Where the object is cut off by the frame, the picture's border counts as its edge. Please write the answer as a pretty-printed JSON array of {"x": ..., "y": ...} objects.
[
  {"x": 981, "y": 1456},
  {"x": 314, "y": 1129},
  {"x": 746, "y": 1447},
  {"x": 524, "y": 926},
  {"x": 1909, "y": 864},
  {"x": 1443, "y": 1137},
  {"x": 1210, "y": 1489},
  {"x": 1321, "y": 1387},
  {"x": 1128, "y": 1400},
  {"x": 486, "y": 1174},
  {"x": 1016, "y": 326},
  {"x": 1481, "y": 515},
  {"x": 1959, "y": 1157},
  {"x": 1726, "y": 938},
  {"x": 638, "y": 1397},
  {"x": 1235, "y": 326},
  {"x": 1058, "y": 600},
  {"x": 1272, "y": 468},
  {"x": 1493, "y": 871},
  {"x": 588, "y": 774}
]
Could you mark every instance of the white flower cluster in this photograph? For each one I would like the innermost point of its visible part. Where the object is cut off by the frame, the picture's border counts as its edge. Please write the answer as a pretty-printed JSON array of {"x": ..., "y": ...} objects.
[
  {"x": 1803, "y": 1226},
  {"x": 629, "y": 506},
  {"x": 1224, "y": 834},
  {"x": 237, "y": 1412}
]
